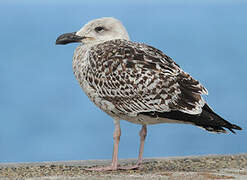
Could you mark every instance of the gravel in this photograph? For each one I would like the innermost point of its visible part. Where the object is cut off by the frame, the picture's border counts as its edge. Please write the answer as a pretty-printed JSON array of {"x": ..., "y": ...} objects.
[{"x": 194, "y": 167}]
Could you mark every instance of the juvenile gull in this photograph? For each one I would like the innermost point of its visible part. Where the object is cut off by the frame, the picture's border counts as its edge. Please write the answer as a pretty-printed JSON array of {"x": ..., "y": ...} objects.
[{"x": 136, "y": 82}]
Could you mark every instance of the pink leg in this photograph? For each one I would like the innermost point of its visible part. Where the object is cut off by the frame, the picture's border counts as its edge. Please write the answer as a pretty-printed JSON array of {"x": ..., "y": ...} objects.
[
  {"x": 143, "y": 134},
  {"x": 116, "y": 138}
]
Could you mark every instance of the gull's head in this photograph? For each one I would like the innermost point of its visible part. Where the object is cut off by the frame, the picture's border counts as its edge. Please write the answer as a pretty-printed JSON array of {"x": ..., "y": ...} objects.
[{"x": 96, "y": 31}]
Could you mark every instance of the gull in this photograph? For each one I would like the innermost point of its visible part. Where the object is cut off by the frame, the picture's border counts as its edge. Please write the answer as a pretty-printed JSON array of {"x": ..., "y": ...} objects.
[{"x": 136, "y": 82}]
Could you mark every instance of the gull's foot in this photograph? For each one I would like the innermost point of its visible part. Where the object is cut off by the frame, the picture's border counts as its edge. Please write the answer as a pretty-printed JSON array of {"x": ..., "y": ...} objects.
[
  {"x": 134, "y": 167},
  {"x": 112, "y": 168},
  {"x": 107, "y": 168}
]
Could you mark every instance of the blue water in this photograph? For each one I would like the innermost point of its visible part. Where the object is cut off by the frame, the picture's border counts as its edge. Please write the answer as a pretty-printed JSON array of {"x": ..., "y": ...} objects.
[{"x": 45, "y": 116}]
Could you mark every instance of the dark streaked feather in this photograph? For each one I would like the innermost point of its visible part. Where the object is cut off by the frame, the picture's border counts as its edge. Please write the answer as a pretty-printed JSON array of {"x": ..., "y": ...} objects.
[
  {"x": 139, "y": 78},
  {"x": 208, "y": 119}
]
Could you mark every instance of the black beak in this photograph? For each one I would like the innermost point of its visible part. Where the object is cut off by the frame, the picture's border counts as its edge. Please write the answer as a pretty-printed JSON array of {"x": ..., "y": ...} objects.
[{"x": 68, "y": 38}]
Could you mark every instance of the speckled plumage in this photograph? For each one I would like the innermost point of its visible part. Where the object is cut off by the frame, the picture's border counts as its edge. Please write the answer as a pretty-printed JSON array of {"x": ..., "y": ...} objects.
[
  {"x": 124, "y": 78},
  {"x": 127, "y": 79}
]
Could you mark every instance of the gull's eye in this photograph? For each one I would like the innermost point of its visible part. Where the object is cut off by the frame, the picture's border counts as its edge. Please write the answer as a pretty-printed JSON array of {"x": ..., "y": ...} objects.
[{"x": 99, "y": 29}]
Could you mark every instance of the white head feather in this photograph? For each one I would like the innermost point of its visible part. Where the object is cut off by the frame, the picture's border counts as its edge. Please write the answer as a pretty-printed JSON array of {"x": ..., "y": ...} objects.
[{"x": 101, "y": 30}]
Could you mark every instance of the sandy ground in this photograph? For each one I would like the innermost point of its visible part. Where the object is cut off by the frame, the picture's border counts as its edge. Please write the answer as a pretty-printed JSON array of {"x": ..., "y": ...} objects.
[{"x": 194, "y": 167}]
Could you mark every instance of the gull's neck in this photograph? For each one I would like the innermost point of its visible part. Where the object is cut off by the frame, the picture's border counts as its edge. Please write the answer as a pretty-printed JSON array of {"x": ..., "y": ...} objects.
[{"x": 96, "y": 42}]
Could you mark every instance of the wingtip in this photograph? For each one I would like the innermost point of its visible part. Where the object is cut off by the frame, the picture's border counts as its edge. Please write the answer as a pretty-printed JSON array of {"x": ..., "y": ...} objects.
[{"x": 234, "y": 126}]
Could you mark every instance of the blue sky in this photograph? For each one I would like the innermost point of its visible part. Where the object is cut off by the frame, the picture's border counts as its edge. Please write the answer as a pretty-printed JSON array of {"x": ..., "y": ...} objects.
[
  {"x": 130, "y": 1},
  {"x": 44, "y": 114}
]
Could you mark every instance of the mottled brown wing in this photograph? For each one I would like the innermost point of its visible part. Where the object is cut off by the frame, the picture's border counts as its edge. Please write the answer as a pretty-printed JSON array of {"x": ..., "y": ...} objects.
[{"x": 139, "y": 78}]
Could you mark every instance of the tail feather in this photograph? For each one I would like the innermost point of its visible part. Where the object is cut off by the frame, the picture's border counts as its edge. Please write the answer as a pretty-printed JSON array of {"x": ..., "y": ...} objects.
[
  {"x": 207, "y": 119},
  {"x": 222, "y": 122}
]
